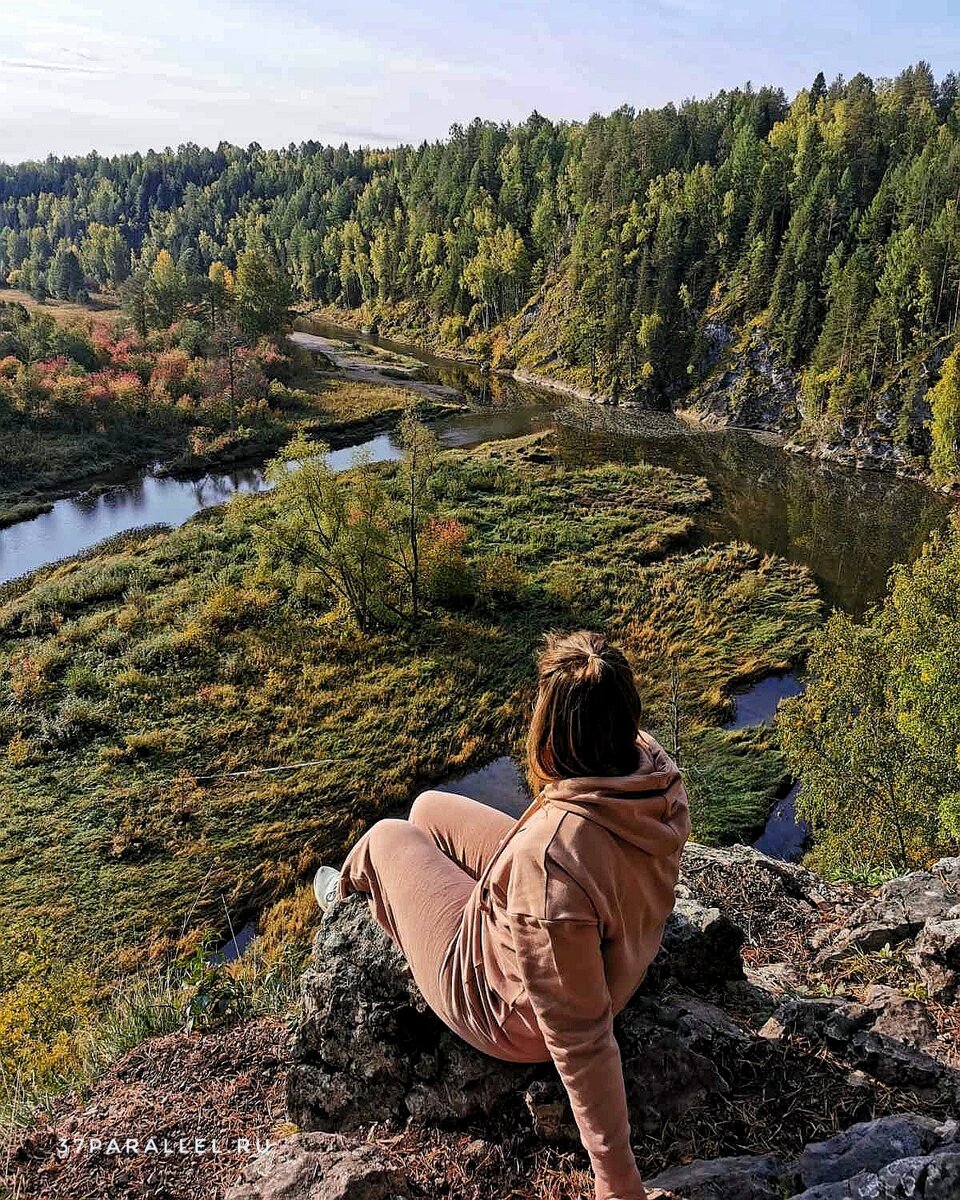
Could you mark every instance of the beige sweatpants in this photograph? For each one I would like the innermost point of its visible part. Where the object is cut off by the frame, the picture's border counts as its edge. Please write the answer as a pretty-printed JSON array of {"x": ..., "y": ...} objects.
[{"x": 419, "y": 874}]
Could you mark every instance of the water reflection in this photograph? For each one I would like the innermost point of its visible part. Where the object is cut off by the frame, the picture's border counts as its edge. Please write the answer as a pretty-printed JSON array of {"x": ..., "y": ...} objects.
[
  {"x": 784, "y": 837},
  {"x": 849, "y": 527},
  {"x": 501, "y": 785},
  {"x": 74, "y": 525},
  {"x": 78, "y": 523},
  {"x": 757, "y": 705}
]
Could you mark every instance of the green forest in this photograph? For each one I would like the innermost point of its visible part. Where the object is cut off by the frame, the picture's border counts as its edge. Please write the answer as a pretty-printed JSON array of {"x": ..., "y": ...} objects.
[{"x": 616, "y": 254}]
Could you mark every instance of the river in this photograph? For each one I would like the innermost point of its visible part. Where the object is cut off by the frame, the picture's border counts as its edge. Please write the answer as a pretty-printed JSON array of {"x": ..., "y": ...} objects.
[{"x": 849, "y": 527}]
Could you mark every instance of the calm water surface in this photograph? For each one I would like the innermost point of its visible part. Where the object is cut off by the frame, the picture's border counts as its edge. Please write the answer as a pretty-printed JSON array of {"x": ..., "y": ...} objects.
[
  {"x": 80, "y": 522},
  {"x": 848, "y": 526},
  {"x": 501, "y": 784}
]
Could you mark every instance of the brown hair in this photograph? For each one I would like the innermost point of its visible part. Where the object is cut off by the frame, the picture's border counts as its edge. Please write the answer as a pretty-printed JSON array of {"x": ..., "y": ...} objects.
[{"x": 587, "y": 714}]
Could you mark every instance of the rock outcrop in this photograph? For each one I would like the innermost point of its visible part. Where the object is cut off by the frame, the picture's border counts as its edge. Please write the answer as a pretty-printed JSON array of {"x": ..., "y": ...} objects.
[
  {"x": 749, "y": 387},
  {"x": 922, "y": 909},
  {"x": 367, "y": 1048},
  {"x": 748, "y": 384},
  {"x": 887, "y": 1159},
  {"x": 733, "y": 1044}
]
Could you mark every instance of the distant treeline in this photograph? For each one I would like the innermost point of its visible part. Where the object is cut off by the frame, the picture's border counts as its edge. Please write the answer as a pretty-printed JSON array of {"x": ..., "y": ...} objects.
[{"x": 834, "y": 216}]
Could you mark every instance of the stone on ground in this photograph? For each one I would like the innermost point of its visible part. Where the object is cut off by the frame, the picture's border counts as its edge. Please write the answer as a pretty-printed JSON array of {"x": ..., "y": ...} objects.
[{"x": 317, "y": 1166}]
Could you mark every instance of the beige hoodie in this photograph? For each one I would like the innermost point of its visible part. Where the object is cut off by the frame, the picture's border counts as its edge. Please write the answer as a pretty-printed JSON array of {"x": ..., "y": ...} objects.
[{"x": 560, "y": 931}]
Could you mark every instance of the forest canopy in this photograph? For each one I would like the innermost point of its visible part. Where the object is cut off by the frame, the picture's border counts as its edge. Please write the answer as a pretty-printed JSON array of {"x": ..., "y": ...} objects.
[{"x": 832, "y": 219}]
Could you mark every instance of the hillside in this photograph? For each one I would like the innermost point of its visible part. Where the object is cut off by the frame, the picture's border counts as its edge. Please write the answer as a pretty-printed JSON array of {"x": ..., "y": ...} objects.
[
  {"x": 794, "y": 1038},
  {"x": 632, "y": 256}
]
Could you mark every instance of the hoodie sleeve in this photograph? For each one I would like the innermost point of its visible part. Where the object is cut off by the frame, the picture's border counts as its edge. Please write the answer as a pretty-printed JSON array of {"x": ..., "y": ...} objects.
[{"x": 561, "y": 967}]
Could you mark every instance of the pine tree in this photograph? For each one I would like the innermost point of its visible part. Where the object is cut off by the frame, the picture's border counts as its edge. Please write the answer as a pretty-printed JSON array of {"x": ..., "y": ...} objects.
[
  {"x": 944, "y": 399},
  {"x": 261, "y": 293},
  {"x": 66, "y": 274},
  {"x": 165, "y": 290}
]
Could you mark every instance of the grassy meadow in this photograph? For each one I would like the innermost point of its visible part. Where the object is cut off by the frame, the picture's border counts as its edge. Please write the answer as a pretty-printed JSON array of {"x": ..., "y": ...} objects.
[{"x": 135, "y": 680}]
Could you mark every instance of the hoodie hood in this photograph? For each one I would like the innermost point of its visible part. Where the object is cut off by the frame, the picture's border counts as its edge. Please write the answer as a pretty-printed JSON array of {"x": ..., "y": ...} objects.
[{"x": 647, "y": 809}]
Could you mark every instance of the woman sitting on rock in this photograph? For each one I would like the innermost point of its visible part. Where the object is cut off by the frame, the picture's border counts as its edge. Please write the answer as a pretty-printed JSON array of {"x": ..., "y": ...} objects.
[{"x": 527, "y": 937}]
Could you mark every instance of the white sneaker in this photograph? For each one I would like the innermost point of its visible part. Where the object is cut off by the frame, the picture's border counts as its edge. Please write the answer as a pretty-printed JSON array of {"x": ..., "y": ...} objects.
[{"x": 326, "y": 887}]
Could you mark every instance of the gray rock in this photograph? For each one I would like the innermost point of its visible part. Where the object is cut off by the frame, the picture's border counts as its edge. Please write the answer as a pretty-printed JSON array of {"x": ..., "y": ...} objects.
[
  {"x": 748, "y": 387},
  {"x": 808, "y": 1018},
  {"x": 929, "y": 1177},
  {"x": 848, "y": 1019},
  {"x": 866, "y": 1148},
  {"x": 881, "y": 1038},
  {"x": 741, "y": 1178},
  {"x": 896, "y": 913},
  {"x": 779, "y": 880},
  {"x": 318, "y": 1166},
  {"x": 366, "y": 1047},
  {"x": 902, "y": 1017},
  {"x": 943, "y": 1175},
  {"x": 677, "y": 1053},
  {"x": 896, "y": 1063},
  {"x": 845, "y": 1190},
  {"x": 948, "y": 870},
  {"x": 775, "y": 978},
  {"x": 936, "y": 955},
  {"x": 701, "y": 947}
]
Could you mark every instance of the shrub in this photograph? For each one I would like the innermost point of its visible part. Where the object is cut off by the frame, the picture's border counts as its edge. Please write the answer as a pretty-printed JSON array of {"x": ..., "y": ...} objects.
[
  {"x": 448, "y": 578},
  {"x": 83, "y": 680},
  {"x": 231, "y": 608},
  {"x": 75, "y": 720},
  {"x": 875, "y": 737},
  {"x": 564, "y": 582},
  {"x": 944, "y": 400},
  {"x": 501, "y": 581},
  {"x": 453, "y": 330},
  {"x": 18, "y": 750},
  {"x": 152, "y": 741},
  {"x": 44, "y": 1001},
  {"x": 193, "y": 338},
  {"x": 27, "y": 681}
]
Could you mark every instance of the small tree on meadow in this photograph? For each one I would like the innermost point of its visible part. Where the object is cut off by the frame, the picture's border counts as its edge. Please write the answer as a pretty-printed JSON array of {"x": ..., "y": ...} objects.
[
  {"x": 336, "y": 528},
  {"x": 414, "y": 501},
  {"x": 359, "y": 531},
  {"x": 234, "y": 371}
]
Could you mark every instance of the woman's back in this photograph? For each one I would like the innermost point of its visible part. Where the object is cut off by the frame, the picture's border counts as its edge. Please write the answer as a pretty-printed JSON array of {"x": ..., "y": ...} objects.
[{"x": 602, "y": 853}]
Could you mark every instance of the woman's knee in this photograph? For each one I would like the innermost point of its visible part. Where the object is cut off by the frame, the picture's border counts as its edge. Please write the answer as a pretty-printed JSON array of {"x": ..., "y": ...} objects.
[
  {"x": 372, "y": 847},
  {"x": 386, "y": 832},
  {"x": 427, "y": 807}
]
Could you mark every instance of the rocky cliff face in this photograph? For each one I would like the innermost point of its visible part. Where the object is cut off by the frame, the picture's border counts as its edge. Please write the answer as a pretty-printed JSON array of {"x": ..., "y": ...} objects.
[
  {"x": 793, "y": 1039},
  {"x": 749, "y": 386}
]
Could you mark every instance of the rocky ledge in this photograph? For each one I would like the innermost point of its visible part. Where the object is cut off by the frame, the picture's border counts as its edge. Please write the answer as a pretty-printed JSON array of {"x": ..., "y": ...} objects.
[
  {"x": 792, "y": 1039},
  {"x": 748, "y": 385}
]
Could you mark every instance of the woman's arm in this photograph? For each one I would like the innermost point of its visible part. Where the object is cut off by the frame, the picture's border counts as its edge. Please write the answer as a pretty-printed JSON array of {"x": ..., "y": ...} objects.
[{"x": 561, "y": 967}]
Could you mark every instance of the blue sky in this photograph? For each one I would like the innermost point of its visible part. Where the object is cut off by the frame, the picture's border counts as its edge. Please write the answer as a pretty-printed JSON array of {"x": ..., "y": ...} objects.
[{"x": 119, "y": 75}]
